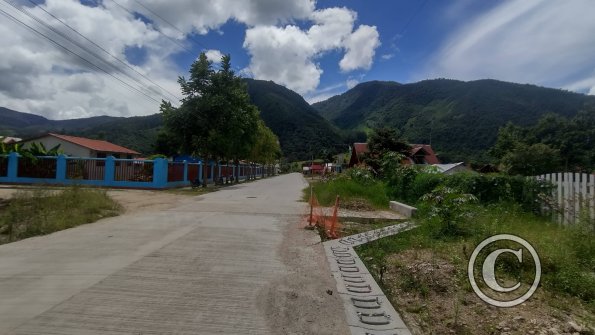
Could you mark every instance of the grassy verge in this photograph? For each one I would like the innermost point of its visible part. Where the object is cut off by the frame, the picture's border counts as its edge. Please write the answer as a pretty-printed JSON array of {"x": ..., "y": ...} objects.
[
  {"x": 424, "y": 272},
  {"x": 374, "y": 193},
  {"x": 39, "y": 212}
]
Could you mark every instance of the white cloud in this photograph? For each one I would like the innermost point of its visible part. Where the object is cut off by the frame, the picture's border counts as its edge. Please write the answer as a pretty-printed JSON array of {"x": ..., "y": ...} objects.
[
  {"x": 204, "y": 15},
  {"x": 387, "y": 56},
  {"x": 361, "y": 47},
  {"x": 351, "y": 83},
  {"x": 38, "y": 77},
  {"x": 312, "y": 99},
  {"x": 214, "y": 55},
  {"x": 544, "y": 42},
  {"x": 283, "y": 55},
  {"x": 288, "y": 54}
]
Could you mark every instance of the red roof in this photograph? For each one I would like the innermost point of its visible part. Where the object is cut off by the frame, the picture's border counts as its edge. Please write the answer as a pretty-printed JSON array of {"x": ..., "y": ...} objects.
[
  {"x": 429, "y": 155},
  {"x": 360, "y": 148},
  {"x": 97, "y": 145}
]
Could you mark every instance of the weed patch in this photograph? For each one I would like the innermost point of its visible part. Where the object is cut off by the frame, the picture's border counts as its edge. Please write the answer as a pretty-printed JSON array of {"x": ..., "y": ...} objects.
[{"x": 40, "y": 212}]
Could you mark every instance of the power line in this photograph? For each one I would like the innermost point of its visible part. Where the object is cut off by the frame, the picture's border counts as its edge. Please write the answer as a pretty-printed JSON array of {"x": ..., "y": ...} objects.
[
  {"x": 107, "y": 52},
  {"x": 204, "y": 47},
  {"x": 169, "y": 23},
  {"x": 404, "y": 30},
  {"x": 3, "y": 12},
  {"x": 76, "y": 43},
  {"x": 159, "y": 31}
]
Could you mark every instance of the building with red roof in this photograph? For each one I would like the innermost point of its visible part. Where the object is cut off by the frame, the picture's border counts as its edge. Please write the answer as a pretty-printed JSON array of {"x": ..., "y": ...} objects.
[
  {"x": 422, "y": 154},
  {"x": 358, "y": 150},
  {"x": 419, "y": 154},
  {"x": 83, "y": 147}
]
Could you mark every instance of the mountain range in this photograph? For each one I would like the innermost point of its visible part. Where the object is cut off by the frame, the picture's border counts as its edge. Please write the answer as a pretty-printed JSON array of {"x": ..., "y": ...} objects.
[{"x": 460, "y": 119}]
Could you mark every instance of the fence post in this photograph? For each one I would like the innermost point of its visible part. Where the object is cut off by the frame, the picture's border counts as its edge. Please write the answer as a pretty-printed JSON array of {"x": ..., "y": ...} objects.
[
  {"x": 160, "y": 173},
  {"x": 13, "y": 166},
  {"x": 212, "y": 172},
  {"x": 185, "y": 171},
  {"x": 200, "y": 172},
  {"x": 61, "y": 169},
  {"x": 110, "y": 167}
]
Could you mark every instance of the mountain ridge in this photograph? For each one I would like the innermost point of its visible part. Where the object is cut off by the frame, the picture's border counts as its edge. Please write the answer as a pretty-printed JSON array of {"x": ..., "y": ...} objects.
[
  {"x": 460, "y": 119},
  {"x": 301, "y": 130}
]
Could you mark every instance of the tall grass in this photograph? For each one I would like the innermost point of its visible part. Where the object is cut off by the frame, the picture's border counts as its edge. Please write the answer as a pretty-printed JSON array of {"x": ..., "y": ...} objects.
[
  {"x": 567, "y": 253},
  {"x": 374, "y": 192},
  {"x": 40, "y": 212}
]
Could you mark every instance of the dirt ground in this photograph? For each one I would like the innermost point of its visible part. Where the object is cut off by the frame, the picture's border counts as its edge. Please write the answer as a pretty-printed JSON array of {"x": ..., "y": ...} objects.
[
  {"x": 142, "y": 200},
  {"x": 132, "y": 200},
  {"x": 425, "y": 291},
  {"x": 304, "y": 302}
]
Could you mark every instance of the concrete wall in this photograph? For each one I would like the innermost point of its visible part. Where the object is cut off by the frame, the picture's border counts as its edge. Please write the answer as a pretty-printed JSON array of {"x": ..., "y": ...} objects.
[{"x": 403, "y": 209}]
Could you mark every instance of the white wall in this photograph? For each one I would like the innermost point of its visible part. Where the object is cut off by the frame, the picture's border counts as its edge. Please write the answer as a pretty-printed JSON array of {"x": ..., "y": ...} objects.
[{"x": 68, "y": 148}]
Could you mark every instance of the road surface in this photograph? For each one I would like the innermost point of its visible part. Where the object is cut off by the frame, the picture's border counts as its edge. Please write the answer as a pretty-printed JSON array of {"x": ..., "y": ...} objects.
[{"x": 230, "y": 262}]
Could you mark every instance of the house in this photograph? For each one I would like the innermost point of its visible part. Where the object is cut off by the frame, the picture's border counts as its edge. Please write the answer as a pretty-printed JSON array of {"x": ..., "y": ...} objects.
[
  {"x": 451, "y": 168},
  {"x": 313, "y": 168},
  {"x": 9, "y": 140},
  {"x": 358, "y": 150},
  {"x": 419, "y": 154},
  {"x": 82, "y": 147},
  {"x": 422, "y": 154}
]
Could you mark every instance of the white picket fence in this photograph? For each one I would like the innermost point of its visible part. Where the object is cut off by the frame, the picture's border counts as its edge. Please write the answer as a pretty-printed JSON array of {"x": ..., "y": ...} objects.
[{"x": 573, "y": 196}]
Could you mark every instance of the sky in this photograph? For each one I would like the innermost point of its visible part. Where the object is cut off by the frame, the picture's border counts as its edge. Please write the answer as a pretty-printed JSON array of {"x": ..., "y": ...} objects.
[{"x": 66, "y": 59}]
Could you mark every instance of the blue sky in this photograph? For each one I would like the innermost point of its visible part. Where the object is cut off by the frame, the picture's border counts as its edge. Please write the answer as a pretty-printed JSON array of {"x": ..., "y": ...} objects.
[
  {"x": 138, "y": 48},
  {"x": 410, "y": 33}
]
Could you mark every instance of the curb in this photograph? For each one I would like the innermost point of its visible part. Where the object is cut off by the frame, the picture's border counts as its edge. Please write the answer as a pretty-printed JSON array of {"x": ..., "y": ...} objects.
[{"x": 368, "y": 310}]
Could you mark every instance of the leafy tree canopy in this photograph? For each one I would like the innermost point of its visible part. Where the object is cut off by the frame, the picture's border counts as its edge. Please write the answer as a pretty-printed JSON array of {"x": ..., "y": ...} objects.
[
  {"x": 381, "y": 142},
  {"x": 554, "y": 144},
  {"x": 216, "y": 119}
]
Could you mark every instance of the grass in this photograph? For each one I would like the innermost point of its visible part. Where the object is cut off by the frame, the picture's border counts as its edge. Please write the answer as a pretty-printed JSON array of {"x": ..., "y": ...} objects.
[
  {"x": 326, "y": 192},
  {"x": 41, "y": 211},
  {"x": 567, "y": 253}
]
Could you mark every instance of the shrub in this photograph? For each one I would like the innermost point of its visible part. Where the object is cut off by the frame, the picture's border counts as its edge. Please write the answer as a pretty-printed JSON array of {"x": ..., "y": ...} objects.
[{"x": 450, "y": 208}]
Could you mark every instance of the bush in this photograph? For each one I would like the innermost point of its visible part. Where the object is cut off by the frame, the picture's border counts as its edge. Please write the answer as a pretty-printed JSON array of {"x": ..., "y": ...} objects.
[
  {"x": 450, "y": 209},
  {"x": 409, "y": 184},
  {"x": 424, "y": 183},
  {"x": 495, "y": 188}
]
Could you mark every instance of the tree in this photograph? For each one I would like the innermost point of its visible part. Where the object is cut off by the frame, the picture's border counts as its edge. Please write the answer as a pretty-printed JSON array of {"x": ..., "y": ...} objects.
[
  {"x": 554, "y": 143},
  {"x": 216, "y": 120},
  {"x": 266, "y": 150},
  {"x": 381, "y": 142},
  {"x": 531, "y": 160}
]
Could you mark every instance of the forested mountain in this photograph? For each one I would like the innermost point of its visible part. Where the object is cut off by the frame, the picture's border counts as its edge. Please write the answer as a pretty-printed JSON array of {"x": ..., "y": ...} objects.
[
  {"x": 460, "y": 119},
  {"x": 301, "y": 131}
]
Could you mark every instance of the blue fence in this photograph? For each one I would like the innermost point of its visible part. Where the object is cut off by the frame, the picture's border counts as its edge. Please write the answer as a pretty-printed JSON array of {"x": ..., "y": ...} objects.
[{"x": 125, "y": 173}]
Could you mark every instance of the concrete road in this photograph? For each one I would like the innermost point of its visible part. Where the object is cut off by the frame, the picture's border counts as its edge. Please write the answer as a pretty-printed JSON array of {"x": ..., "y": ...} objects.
[{"x": 229, "y": 262}]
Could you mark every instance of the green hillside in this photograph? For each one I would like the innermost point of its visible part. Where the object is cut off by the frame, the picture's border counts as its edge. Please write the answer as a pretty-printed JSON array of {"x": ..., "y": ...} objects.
[
  {"x": 301, "y": 131},
  {"x": 460, "y": 119}
]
